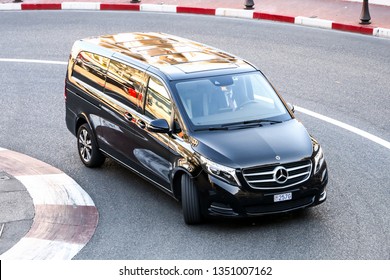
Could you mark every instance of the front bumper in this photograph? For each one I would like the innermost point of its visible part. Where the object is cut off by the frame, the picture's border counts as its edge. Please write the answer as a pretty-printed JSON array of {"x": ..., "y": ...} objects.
[{"x": 219, "y": 198}]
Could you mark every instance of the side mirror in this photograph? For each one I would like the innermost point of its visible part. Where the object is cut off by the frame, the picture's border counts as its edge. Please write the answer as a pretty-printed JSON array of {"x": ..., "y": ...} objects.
[
  {"x": 291, "y": 107},
  {"x": 158, "y": 126}
]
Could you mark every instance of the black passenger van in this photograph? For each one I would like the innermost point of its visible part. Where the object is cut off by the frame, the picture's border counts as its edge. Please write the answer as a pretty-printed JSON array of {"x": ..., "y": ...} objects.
[{"x": 203, "y": 125}]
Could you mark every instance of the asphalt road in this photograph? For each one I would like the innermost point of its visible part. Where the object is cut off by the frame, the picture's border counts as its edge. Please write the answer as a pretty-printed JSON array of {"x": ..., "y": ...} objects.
[{"x": 340, "y": 75}]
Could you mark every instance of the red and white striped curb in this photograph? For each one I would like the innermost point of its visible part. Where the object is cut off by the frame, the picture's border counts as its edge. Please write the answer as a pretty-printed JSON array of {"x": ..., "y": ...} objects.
[
  {"x": 65, "y": 216},
  {"x": 313, "y": 22}
]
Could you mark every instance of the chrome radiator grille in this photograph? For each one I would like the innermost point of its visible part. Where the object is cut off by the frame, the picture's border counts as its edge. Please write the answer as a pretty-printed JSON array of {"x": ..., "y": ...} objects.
[{"x": 278, "y": 176}]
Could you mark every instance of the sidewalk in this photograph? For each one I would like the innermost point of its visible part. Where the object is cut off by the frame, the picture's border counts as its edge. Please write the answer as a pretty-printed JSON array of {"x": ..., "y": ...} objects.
[
  {"x": 44, "y": 213},
  {"x": 342, "y": 15}
]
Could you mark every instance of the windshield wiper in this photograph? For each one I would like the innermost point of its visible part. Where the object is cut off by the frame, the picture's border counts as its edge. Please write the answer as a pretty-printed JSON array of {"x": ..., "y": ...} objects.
[
  {"x": 262, "y": 121},
  {"x": 226, "y": 126},
  {"x": 211, "y": 128},
  {"x": 254, "y": 122}
]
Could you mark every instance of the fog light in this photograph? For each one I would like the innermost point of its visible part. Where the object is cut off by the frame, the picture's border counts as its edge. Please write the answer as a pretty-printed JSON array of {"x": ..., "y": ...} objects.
[{"x": 222, "y": 209}]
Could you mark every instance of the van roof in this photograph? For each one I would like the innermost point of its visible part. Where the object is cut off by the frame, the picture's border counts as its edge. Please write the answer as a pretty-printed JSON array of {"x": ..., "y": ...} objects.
[{"x": 171, "y": 54}]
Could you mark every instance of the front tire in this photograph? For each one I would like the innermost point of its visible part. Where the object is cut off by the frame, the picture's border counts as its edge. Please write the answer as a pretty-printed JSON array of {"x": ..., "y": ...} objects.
[
  {"x": 190, "y": 201},
  {"x": 87, "y": 147}
]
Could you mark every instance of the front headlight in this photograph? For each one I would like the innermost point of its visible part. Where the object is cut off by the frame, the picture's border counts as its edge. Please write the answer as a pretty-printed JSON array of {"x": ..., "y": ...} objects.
[
  {"x": 225, "y": 173},
  {"x": 318, "y": 158}
]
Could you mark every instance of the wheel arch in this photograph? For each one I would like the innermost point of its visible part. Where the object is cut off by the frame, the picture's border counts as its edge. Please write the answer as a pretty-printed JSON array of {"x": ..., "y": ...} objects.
[
  {"x": 82, "y": 119},
  {"x": 176, "y": 181}
]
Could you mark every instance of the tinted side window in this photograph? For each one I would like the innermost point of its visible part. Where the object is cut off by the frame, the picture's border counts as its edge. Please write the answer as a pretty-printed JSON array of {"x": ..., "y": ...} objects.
[
  {"x": 158, "y": 104},
  {"x": 124, "y": 83},
  {"x": 90, "y": 68}
]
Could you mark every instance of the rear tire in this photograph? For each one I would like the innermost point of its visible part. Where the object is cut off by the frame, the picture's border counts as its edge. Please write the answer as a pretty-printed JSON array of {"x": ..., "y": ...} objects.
[
  {"x": 87, "y": 147},
  {"x": 190, "y": 201}
]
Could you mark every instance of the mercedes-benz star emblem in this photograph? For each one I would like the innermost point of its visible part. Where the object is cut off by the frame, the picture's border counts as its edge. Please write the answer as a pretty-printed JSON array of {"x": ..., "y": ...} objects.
[{"x": 280, "y": 175}]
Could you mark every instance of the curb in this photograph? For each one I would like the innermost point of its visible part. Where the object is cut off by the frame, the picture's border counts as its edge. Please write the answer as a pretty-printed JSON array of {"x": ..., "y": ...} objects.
[
  {"x": 65, "y": 216},
  {"x": 225, "y": 12}
]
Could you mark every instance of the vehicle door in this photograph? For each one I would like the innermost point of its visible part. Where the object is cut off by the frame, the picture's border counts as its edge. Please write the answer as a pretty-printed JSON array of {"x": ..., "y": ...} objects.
[
  {"x": 154, "y": 153},
  {"x": 120, "y": 110}
]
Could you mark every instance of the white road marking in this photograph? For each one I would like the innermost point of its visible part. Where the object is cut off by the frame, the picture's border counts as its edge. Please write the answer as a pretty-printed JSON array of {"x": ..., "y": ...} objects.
[
  {"x": 33, "y": 61},
  {"x": 332, "y": 121},
  {"x": 348, "y": 127}
]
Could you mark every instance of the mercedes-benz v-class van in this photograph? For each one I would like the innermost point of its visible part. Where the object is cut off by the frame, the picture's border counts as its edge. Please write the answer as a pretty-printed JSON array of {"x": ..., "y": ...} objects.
[{"x": 201, "y": 124}]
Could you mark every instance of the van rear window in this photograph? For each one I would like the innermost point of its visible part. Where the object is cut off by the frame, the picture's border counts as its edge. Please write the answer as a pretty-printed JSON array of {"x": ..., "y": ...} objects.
[{"x": 91, "y": 69}]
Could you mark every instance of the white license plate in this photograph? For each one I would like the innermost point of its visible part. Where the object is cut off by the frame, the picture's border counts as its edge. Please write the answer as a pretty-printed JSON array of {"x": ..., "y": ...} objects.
[{"x": 282, "y": 197}]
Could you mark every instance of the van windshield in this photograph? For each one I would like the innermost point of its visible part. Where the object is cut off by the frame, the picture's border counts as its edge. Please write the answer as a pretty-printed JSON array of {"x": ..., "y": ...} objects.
[{"x": 221, "y": 101}]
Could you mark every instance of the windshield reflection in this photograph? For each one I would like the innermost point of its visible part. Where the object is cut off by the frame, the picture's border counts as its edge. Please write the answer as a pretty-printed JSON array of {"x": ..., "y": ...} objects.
[{"x": 231, "y": 99}]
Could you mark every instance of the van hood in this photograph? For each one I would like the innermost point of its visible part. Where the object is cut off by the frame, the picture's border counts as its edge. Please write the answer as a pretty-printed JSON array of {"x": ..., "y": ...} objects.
[{"x": 247, "y": 147}]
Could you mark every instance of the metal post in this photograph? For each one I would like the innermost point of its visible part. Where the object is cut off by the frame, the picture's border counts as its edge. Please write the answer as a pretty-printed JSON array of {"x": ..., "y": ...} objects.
[
  {"x": 249, "y": 4},
  {"x": 365, "y": 14}
]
